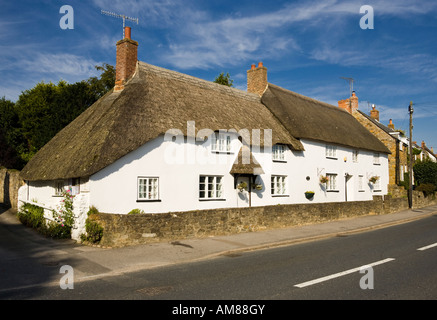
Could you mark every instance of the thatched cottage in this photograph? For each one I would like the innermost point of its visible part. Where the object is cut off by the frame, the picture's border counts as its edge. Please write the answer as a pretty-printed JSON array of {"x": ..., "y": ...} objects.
[{"x": 162, "y": 141}]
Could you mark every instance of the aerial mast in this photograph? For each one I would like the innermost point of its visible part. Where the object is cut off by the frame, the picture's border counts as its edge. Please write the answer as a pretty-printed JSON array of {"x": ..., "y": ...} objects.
[{"x": 121, "y": 16}]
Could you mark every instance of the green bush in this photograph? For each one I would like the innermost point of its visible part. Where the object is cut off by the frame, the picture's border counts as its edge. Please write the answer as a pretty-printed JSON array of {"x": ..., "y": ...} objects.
[
  {"x": 32, "y": 216},
  {"x": 425, "y": 172},
  {"x": 427, "y": 189},
  {"x": 136, "y": 211},
  {"x": 94, "y": 231}
]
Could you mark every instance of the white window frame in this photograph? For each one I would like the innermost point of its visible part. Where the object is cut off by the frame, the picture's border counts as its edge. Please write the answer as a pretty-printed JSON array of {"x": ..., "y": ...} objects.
[
  {"x": 360, "y": 183},
  {"x": 59, "y": 187},
  {"x": 278, "y": 186},
  {"x": 331, "y": 151},
  {"x": 210, "y": 187},
  {"x": 355, "y": 154},
  {"x": 377, "y": 185},
  {"x": 376, "y": 161},
  {"x": 148, "y": 188},
  {"x": 331, "y": 185},
  {"x": 220, "y": 142},
  {"x": 278, "y": 152}
]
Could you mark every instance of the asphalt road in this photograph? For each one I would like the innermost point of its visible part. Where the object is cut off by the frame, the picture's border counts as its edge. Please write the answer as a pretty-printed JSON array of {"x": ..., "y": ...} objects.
[{"x": 319, "y": 270}]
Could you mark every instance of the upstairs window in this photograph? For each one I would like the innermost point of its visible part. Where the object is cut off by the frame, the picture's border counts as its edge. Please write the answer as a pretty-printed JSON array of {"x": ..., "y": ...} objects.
[
  {"x": 376, "y": 159},
  {"x": 278, "y": 152},
  {"x": 355, "y": 156},
  {"x": 59, "y": 187},
  {"x": 220, "y": 142},
  {"x": 331, "y": 152}
]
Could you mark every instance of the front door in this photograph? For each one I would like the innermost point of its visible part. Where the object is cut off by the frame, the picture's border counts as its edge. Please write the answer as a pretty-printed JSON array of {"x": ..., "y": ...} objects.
[{"x": 243, "y": 192}]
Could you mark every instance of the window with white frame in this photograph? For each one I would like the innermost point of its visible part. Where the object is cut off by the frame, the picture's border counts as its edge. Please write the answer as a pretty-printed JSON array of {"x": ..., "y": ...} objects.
[
  {"x": 331, "y": 151},
  {"x": 278, "y": 152},
  {"x": 148, "y": 188},
  {"x": 355, "y": 155},
  {"x": 331, "y": 185},
  {"x": 210, "y": 187},
  {"x": 376, "y": 158},
  {"x": 220, "y": 142},
  {"x": 279, "y": 185},
  {"x": 361, "y": 183},
  {"x": 59, "y": 187},
  {"x": 377, "y": 184}
]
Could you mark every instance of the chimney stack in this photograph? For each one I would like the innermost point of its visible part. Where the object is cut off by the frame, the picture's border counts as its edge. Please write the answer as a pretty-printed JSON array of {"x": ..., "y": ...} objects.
[
  {"x": 257, "y": 79},
  {"x": 423, "y": 145},
  {"x": 350, "y": 105},
  {"x": 374, "y": 114},
  {"x": 391, "y": 125},
  {"x": 127, "y": 56}
]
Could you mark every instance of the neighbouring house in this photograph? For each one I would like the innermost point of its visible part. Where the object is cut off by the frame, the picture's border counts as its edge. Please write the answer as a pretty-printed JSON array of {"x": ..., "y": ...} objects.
[
  {"x": 393, "y": 139},
  {"x": 424, "y": 153},
  {"x": 164, "y": 141}
]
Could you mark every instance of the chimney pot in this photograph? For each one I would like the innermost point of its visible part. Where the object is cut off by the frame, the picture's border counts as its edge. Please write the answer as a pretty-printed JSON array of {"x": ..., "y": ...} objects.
[
  {"x": 127, "y": 32},
  {"x": 260, "y": 64},
  {"x": 253, "y": 67}
]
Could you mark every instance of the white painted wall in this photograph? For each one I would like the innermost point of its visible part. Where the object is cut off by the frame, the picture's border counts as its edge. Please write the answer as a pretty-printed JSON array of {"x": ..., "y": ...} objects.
[{"x": 178, "y": 165}]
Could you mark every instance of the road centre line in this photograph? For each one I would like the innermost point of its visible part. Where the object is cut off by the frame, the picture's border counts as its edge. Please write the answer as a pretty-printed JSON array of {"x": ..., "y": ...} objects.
[
  {"x": 428, "y": 247},
  {"x": 343, "y": 273}
]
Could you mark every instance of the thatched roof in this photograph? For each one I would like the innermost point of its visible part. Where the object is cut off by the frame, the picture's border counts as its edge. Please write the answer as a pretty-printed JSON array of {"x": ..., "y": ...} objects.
[
  {"x": 152, "y": 102},
  {"x": 307, "y": 118},
  {"x": 245, "y": 163}
]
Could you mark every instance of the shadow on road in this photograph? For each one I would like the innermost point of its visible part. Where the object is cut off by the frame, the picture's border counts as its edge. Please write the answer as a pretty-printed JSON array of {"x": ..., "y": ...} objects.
[{"x": 28, "y": 260}]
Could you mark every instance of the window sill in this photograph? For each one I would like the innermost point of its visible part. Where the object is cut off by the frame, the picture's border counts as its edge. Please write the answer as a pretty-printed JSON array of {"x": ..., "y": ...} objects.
[
  {"x": 332, "y": 190},
  {"x": 376, "y": 164},
  {"x": 332, "y": 158},
  {"x": 377, "y": 190},
  {"x": 157, "y": 200},
  {"x": 361, "y": 190},
  {"x": 212, "y": 199},
  {"x": 276, "y": 160},
  {"x": 280, "y": 195},
  {"x": 222, "y": 152}
]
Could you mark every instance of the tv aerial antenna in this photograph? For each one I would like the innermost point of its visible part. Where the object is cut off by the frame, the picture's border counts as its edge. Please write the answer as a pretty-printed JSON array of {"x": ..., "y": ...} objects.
[
  {"x": 122, "y": 16},
  {"x": 351, "y": 84}
]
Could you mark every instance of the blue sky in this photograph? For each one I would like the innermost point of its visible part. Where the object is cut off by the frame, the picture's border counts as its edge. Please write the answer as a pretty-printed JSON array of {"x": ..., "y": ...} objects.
[{"x": 307, "y": 47}]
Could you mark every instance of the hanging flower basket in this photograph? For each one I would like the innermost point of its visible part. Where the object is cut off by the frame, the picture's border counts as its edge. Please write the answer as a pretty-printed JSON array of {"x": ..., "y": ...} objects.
[
  {"x": 242, "y": 186},
  {"x": 257, "y": 186},
  {"x": 324, "y": 179},
  {"x": 373, "y": 179},
  {"x": 309, "y": 194}
]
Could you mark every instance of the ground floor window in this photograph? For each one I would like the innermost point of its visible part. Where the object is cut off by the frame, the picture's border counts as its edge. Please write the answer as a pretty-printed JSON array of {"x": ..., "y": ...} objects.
[
  {"x": 377, "y": 184},
  {"x": 148, "y": 188},
  {"x": 210, "y": 187},
  {"x": 279, "y": 185},
  {"x": 331, "y": 185}
]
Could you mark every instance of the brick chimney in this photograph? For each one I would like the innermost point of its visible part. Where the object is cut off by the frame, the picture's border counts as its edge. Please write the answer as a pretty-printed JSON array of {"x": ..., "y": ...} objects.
[
  {"x": 391, "y": 125},
  {"x": 423, "y": 145},
  {"x": 257, "y": 79},
  {"x": 127, "y": 57},
  {"x": 350, "y": 105},
  {"x": 374, "y": 114}
]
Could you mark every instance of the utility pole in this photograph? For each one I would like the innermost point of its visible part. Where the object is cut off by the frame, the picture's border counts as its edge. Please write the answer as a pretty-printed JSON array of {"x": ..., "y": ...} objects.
[{"x": 410, "y": 169}]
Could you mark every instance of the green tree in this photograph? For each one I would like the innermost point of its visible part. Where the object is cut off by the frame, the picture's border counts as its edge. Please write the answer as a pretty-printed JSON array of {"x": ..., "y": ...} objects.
[
  {"x": 47, "y": 108},
  {"x": 425, "y": 172},
  {"x": 11, "y": 139},
  {"x": 224, "y": 79}
]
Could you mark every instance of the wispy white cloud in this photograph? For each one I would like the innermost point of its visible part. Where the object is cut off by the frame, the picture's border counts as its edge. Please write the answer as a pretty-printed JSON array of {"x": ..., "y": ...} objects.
[{"x": 64, "y": 64}]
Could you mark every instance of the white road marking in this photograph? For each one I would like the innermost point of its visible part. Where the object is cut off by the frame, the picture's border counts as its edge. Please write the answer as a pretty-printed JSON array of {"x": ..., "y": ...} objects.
[
  {"x": 428, "y": 247},
  {"x": 309, "y": 283}
]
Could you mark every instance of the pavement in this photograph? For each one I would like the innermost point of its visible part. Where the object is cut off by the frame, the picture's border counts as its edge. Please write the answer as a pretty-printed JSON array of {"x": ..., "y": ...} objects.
[{"x": 94, "y": 262}]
